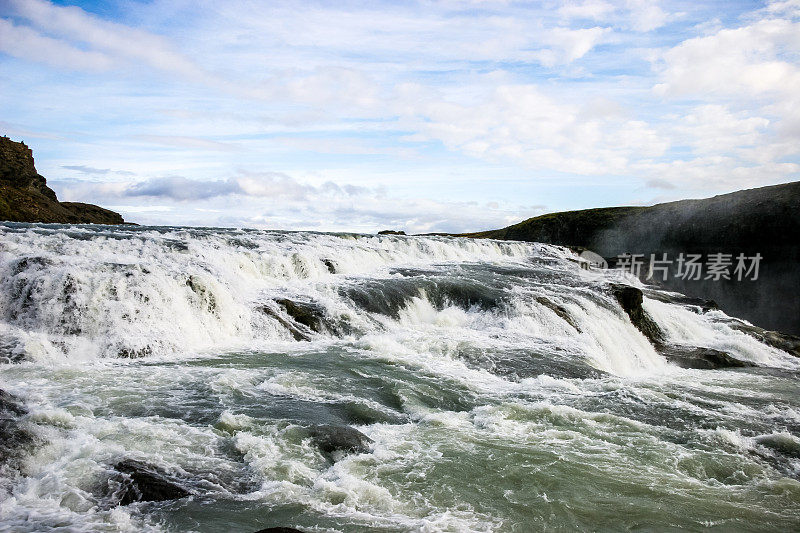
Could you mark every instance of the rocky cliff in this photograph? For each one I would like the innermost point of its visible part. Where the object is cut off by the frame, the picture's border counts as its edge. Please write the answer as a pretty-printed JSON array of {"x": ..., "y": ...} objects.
[
  {"x": 25, "y": 196},
  {"x": 761, "y": 221}
]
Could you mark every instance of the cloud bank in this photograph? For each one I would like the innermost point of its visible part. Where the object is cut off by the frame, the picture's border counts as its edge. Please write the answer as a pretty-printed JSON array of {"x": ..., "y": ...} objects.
[{"x": 428, "y": 106}]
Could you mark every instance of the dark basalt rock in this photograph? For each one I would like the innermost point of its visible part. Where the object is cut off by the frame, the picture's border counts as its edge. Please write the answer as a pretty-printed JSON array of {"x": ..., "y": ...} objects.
[
  {"x": 306, "y": 318},
  {"x": 560, "y": 310},
  {"x": 780, "y": 443},
  {"x": 25, "y": 196},
  {"x": 134, "y": 353},
  {"x": 11, "y": 405},
  {"x": 681, "y": 299},
  {"x": 141, "y": 482},
  {"x": 309, "y": 314},
  {"x": 631, "y": 298},
  {"x": 333, "y": 440},
  {"x": 391, "y": 232},
  {"x": 207, "y": 299},
  {"x": 782, "y": 341},
  {"x": 299, "y": 334},
  {"x": 330, "y": 265},
  {"x": 701, "y": 358}
]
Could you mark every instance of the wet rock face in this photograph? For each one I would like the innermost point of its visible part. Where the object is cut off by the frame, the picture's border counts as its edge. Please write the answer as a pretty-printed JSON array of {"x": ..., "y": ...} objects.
[
  {"x": 305, "y": 319},
  {"x": 782, "y": 341},
  {"x": 308, "y": 314},
  {"x": 701, "y": 304},
  {"x": 631, "y": 298},
  {"x": 17, "y": 168},
  {"x": 560, "y": 310},
  {"x": 701, "y": 358},
  {"x": 339, "y": 440},
  {"x": 330, "y": 265},
  {"x": 141, "y": 482}
]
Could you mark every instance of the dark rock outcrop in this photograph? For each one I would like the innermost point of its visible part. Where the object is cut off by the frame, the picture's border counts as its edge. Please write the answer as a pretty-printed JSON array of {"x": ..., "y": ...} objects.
[
  {"x": 560, "y": 310},
  {"x": 304, "y": 318},
  {"x": 309, "y": 314},
  {"x": 391, "y": 232},
  {"x": 330, "y": 265},
  {"x": 141, "y": 482},
  {"x": 25, "y": 196},
  {"x": 755, "y": 221},
  {"x": 782, "y": 341},
  {"x": 700, "y": 304},
  {"x": 703, "y": 358},
  {"x": 334, "y": 440},
  {"x": 631, "y": 298}
]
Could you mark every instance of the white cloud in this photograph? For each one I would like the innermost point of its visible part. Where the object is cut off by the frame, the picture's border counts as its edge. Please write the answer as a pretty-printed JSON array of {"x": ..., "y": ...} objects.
[
  {"x": 107, "y": 38},
  {"x": 751, "y": 136},
  {"x": 183, "y": 141},
  {"x": 749, "y": 61},
  {"x": 567, "y": 45},
  {"x": 521, "y": 122},
  {"x": 26, "y": 43},
  {"x": 589, "y": 9},
  {"x": 275, "y": 200},
  {"x": 410, "y": 96},
  {"x": 786, "y": 7},
  {"x": 714, "y": 129},
  {"x": 646, "y": 15}
]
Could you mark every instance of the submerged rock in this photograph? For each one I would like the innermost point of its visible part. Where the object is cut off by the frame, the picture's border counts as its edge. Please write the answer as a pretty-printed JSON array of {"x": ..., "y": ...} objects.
[
  {"x": 141, "y": 482},
  {"x": 702, "y": 358},
  {"x": 560, "y": 310},
  {"x": 334, "y": 440},
  {"x": 631, "y": 298}
]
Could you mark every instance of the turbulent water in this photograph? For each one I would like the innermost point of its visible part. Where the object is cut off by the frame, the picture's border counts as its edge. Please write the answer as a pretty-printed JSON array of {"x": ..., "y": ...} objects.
[{"x": 502, "y": 386}]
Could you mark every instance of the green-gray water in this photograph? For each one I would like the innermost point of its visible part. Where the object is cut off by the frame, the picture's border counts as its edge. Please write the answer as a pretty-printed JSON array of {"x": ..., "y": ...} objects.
[{"x": 487, "y": 410}]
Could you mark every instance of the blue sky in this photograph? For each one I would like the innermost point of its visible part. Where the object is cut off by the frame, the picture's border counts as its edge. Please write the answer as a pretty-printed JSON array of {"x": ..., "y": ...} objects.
[{"x": 423, "y": 116}]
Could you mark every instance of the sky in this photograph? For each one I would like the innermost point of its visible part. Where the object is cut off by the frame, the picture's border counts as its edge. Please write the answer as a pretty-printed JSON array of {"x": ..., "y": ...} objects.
[{"x": 425, "y": 116}]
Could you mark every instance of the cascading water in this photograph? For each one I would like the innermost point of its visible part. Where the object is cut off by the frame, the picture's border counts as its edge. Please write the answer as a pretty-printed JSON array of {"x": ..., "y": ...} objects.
[{"x": 503, "y": 388}]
